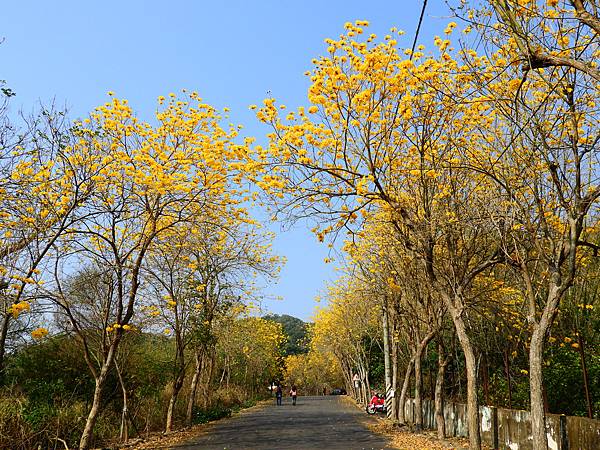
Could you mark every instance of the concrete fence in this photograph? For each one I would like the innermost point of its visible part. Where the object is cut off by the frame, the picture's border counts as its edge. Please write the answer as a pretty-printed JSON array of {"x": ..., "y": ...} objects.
[{"x": 510, "y": 429}]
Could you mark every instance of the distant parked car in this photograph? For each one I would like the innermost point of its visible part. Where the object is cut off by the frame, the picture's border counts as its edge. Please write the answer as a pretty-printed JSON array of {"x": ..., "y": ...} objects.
[{"x": 338, "y": 391}]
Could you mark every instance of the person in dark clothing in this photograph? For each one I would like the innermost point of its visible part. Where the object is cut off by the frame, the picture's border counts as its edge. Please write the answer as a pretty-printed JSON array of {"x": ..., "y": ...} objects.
[
  {"x": 278, "y": 395},
  {"x": 294, "y": 394}
]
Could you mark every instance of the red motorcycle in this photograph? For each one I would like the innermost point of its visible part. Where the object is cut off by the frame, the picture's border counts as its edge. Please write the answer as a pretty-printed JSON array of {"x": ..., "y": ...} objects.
[{"x": 377, "y": 404}]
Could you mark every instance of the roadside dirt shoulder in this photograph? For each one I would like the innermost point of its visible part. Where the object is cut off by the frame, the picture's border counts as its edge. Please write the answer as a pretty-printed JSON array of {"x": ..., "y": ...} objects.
[
  {"x": 404, "y": 439},
  {"x": 165, "y": 440}
]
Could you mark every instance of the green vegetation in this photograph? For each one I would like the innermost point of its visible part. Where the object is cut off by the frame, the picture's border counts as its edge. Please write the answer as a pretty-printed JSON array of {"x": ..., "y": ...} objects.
[{"x": 295, "y": 331}]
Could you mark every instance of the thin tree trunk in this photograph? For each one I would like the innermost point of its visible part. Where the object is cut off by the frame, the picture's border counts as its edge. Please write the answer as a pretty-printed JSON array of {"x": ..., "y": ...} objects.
[
  {"x": 485, "y": 376},
  {"x": 418, "y": 425},
  {"x": 177, "y": 382},
  {"x": 536, "y": 354},
  {"x": 86, "y": 436},
  {"x": 206, "y": 400},
  {"x": 124, "y": 431},
  {"x": 193, "y": 388},
  {"x": 395, "y": 379},
  {"x": 471, "y": 371},
  {"x": 507, "y": 372},
  {"x": 405, "y": 385},
  {"x": 177, "y": 385},
  {"x": 364, "y": 377},
  {"x": 439, "y": 393},
  {"x": 584, "y": 373},
  {"x": 386, "y": 361},
  {"x": 3, "y": 335},
  {"x": 419, "y": 380}
]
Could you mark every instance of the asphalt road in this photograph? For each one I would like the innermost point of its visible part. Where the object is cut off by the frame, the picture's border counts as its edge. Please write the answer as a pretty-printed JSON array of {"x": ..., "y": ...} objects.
[{"x": 327, "y": 422}]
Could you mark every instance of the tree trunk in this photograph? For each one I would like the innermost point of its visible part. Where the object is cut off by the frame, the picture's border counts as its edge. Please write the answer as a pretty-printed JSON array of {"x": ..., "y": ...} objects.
[
  {"x": 124, "y": 431},
  {"x": 386, "y": 361},
  {"x": 485, "y": 376},
  {"x": 3, "y": 334},
  {"x": 507, "y": 372},
  {"x": 419, "y": 380},
  {"x": 418, "y": 394},
  {"x": 439, "y": 393},
  {"x": 193, "y": 388},
  {"x": 395, "y": 380},
  {"x": 173, "y": 401},
  {"x": 86, "y": 436},
  {"x": 586, "y": 381},
  {"x": 206, "y": 400},
  {"x": 538, "y": 419},
  {"x": 405, "y": 384},
  {"x": 366, "y": 389},
  {"x": 536, "y": 354},
  {"x": 177, "y": 382},
  {"x": 471, "y": 370}
]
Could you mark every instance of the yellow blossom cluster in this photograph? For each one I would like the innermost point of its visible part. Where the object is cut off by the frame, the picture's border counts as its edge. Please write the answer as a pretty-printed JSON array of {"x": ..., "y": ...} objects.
[
  {"x": 18, "y": 308},
  {"x": 39, "y": 333}
]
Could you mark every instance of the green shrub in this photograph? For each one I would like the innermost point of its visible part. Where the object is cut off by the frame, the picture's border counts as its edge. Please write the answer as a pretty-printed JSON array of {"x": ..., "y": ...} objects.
[{"x": 206, "y": 415}]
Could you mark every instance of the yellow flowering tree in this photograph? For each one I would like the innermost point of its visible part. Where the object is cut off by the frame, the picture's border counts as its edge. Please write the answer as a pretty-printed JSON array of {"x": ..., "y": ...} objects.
[
  {"x": 251, "y": 349},
  {"x": 543, "y": 160},
  {"x": 395, "y": 134},
  {"x": 196, "y": 276},
  {"x": 43, "y": 184},
  {"x": 150, "y": 179}
]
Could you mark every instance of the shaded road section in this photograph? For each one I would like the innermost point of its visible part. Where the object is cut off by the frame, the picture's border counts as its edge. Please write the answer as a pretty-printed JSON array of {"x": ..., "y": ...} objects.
[{"x": 327, "y": 422}]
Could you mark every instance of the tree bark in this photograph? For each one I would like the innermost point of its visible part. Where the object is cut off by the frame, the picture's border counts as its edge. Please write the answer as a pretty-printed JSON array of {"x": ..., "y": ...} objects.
[
  {"x": 419, "y": 381},
  {"x": 418, "y": 394},
  {"x": 471, "y": 371},
  {"x": 536, "y": 350},
  {"x": 386, "y": 360},
  {"x": 395, "y": 380},
  {"x": 206, "y": 400},
  {"x": 3, "y": 335},
  {"x": 124, "y": 431},
  {"x": 485, "y": 376},
  {"x": 86, "y": 436},
  {"x": 177, "y": 382},
  {"x": 538, "y": 419},
  {"x": 405, "y": 385},
  {"x": 193, "y": 388},
  {"x": 177, "y": 385},
  {"x": 439, "y": 393}
]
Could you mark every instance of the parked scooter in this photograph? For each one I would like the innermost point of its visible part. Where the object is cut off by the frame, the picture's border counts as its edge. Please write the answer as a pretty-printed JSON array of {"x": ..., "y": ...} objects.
[{"x": 377, "y": 404}]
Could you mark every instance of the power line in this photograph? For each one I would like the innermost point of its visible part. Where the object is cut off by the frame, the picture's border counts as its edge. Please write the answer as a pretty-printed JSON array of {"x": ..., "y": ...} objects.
[{"x": 418, "y": 28}]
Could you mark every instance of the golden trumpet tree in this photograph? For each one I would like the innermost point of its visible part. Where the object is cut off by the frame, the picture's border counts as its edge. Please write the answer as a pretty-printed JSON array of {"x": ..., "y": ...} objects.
[
  {"x": 196, "y": 276},
  {"x": 313, "y": 371},
  {"x": 413, "y": 310},
  {"x": 251, "y": 348},
  {"x": 351, "y": 317},
  {"x": 42, "y": 187},
  {"x": 542, "y": 158},
  {"x": 151, "y": 178},
  {"x": 549, "y": 33},
  {"x": 391, "y": 133}
]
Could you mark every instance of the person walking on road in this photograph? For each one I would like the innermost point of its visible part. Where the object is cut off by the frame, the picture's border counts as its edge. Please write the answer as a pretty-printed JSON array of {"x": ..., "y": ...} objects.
[
  {"x": 294, "y": 394},
  {"x": 278, "y": 394}
]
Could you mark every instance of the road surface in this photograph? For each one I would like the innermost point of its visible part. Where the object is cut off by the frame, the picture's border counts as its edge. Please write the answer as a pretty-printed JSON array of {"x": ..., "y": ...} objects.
[{"x": 327, "y": 422}]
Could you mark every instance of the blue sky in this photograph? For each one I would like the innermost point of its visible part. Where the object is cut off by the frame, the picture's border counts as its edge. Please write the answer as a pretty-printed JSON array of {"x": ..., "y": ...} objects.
[{"x": 232, "y": 52}]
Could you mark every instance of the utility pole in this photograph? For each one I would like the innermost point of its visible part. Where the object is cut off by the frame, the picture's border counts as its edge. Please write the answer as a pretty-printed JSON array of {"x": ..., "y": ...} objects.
[{"x": 389, "y": 392}]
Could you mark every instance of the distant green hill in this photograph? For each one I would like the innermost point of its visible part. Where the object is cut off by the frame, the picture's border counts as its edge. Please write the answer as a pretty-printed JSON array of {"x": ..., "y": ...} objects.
[{"x": 295, "y": 331}]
